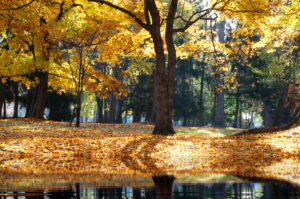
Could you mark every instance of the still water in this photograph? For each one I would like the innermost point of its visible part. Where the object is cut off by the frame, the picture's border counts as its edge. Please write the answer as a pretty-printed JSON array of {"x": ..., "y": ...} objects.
[{"x": 164, "y": 187}]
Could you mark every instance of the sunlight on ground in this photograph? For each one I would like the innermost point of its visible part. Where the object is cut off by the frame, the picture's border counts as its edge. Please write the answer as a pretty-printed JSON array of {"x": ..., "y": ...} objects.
[{"x": 49, "y": 149}]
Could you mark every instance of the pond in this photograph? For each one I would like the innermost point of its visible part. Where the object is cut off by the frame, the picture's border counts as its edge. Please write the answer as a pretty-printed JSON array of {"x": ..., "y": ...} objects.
[{"x": 163, "y": 187}]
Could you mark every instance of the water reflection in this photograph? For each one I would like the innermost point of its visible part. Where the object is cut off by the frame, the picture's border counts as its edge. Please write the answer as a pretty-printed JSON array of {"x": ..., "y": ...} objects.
[{"x": 165, "y": 188}]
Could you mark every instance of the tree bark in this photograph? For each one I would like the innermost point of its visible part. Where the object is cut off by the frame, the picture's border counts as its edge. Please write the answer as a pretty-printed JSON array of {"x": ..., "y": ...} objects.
[
  {"x": 137, "y": 113},
  {"x": 201, "y": 100},
  {"x": 1, "y": 106},
  {"x": 164, "y": 75},
  {"x": 236, "y": 123},
  {"x": 119, "y": 106},
  {"x": 277, "y": 120},
  {"x": 78, "y": 110},
  {"x": 16, "y": 101},
  {"x": 153, "y": 113},
  {"x": 99, "y": 115},
  {"x": 112, "y": 109},
  {"x": 219, "y": 115},
  {"x": 38, "y": 102},
  {"x": 267, "y": 115},
  {"x": 4, "y": 110}
]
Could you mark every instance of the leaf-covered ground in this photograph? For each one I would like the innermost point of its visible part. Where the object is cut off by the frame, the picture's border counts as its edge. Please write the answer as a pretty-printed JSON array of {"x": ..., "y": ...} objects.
[{"x": 44, "y": 148}]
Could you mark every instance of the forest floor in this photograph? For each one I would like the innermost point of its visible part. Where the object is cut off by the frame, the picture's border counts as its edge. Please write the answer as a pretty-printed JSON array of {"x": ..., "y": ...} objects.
[{"x": 38, "y": 147}]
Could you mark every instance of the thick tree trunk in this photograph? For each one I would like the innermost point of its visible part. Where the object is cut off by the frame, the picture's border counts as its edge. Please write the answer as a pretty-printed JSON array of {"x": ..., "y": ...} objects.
[
  {"x": 99, "y": 115},
  {"x": 164, "y": 75},
  {"x": 38, "y": 102},
  {"x": 137, "y": 113},
  {"x": 277, "y": 120},
  {"x": 267, "y": 115},
  {"x": 119, "y": 111},
  {"x": 112, "y": 109}
]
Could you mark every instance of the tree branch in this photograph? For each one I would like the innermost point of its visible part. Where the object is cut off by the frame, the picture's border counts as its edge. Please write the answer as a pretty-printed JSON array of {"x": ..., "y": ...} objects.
[
  {"x": 125, "y": 11},
  {"x": 19, "y": 7}
]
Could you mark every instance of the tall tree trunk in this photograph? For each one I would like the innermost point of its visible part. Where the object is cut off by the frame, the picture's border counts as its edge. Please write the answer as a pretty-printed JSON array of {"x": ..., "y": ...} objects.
[
  {"x": 241, "y": 118},
  {"x": 164, "y": 75},
  {"x": 1, "y": 106},
  {"x": 137, "y": 113},
  {"x": 112, "y": 109},
  {"x": 78, "y": 109},
  {"x": 219, "y": 116},
  {"x": 236, "y": 123},
  {"x": 201, "y": 100},
  {"x": 277, "y": 120},
  {"x": 4, "y": 109},
  {"x": 119, "y": 106},
  {"x": 38, "y": 102},
  {"x": 153, "y": 113},
  {"x": 106, "y": 104},
  {"x": 16, "y": 101},
  {"x": 99, "y": 115},
  {"x": 267, "y": 115}
]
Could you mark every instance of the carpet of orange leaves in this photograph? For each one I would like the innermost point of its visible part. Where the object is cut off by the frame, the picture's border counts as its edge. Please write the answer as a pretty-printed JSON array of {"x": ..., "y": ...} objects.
[{"x": 32, "y": 149}]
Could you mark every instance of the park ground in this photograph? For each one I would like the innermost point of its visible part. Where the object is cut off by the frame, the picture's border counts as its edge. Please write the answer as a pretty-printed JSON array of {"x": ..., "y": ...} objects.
[{"x": 37, "y": 147}]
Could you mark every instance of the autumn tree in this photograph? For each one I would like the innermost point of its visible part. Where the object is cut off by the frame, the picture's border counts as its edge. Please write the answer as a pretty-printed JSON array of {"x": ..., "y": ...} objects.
[
  {"x": 162, "y": 18},
  {"x": 31, "y": 40}
]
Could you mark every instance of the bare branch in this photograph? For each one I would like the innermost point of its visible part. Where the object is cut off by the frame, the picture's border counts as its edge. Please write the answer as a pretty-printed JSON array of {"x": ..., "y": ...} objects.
[
  {"x": 125, "y": 11},
  {"x": 62, "y": 11},
  {"x": 19, "y": 7},
  {"x": 190, "y": 23}
]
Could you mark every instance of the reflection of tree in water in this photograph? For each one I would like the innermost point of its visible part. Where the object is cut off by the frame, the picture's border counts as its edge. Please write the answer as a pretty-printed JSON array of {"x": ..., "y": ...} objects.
[
  {"x": 163, "y": 186},
  {"x": 296, "y": 192}
]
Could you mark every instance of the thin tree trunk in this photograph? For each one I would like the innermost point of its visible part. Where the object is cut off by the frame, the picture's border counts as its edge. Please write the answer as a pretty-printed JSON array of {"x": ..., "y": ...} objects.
[
  {"x": 153, "y": 113},
  {"x": 236, "y": 123},
  {"x": 219, "y": 119},
  {"x": 106, "y": 104},
  {"x": 4, "y": 109},
  {"x": 201, "y": 100},
  {"x": 241, "y": 118},
  {"x": 1, "y": 106},
  {"x": 78, "y": 110},
  {"x": 16, "y": 101}
]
